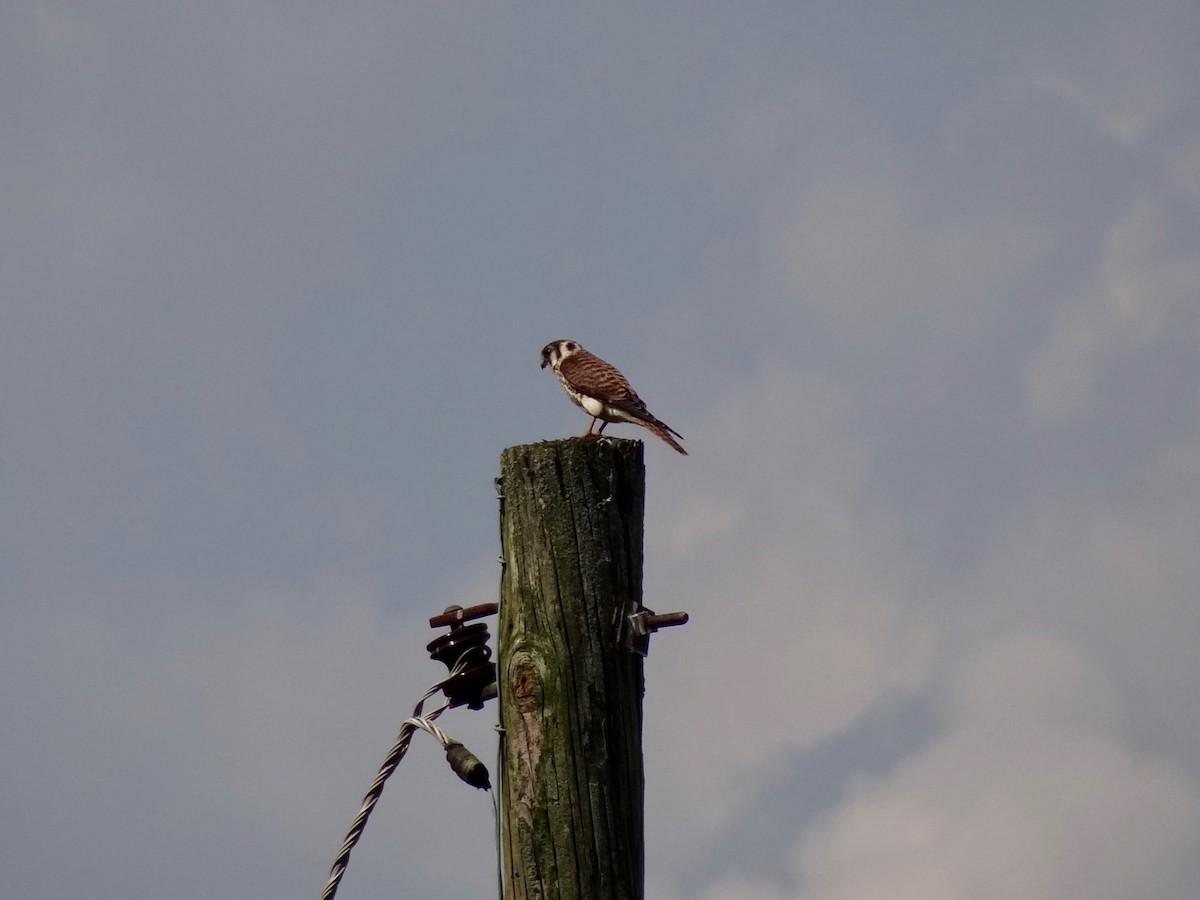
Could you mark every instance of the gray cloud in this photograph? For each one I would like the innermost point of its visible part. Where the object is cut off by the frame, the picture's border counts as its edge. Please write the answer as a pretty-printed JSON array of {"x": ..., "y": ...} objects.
[{"x": 916, "y": 284}]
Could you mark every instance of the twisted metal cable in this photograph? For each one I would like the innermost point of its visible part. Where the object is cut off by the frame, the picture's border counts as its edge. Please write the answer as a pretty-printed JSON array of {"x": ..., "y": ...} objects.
[
  {"x": 399, "y": 748},
  {"x": 425, "y": 723}
]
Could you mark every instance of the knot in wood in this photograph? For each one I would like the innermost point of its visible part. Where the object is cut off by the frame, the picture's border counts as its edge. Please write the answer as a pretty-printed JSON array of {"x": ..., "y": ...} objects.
[{"x": 526, "y": 684}]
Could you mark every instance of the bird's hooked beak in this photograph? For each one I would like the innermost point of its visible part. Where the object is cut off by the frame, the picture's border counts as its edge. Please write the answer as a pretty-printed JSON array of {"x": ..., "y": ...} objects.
[{"x": 545, "y": 362}]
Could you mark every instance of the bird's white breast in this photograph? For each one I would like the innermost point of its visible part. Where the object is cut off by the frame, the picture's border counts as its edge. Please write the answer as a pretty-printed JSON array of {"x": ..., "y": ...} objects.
[
  {"x": 593, "y": 406},
  {"x": 590, "y": 404}
]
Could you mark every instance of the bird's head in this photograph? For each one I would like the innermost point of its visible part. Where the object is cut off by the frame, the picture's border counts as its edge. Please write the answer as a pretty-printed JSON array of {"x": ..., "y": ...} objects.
[{"x": 556, "y": 351}]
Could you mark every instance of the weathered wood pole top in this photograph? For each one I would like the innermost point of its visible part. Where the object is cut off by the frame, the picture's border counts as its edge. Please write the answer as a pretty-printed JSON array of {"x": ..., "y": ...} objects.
[{"x": 570, "y": 694}]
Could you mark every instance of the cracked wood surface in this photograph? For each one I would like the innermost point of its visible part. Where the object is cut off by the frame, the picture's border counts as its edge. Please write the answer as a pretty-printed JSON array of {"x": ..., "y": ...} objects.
[{"x": 570, "y": 695}]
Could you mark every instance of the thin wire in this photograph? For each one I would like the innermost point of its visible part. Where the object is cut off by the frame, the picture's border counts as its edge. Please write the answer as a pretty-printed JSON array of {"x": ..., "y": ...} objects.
[
  {"x": 399, "y": 748},
  {"x": 496, "y": 810}
]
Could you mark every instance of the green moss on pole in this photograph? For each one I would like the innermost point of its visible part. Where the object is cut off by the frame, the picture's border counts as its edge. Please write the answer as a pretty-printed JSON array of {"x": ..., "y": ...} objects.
[{"x": 570, "y": 694}]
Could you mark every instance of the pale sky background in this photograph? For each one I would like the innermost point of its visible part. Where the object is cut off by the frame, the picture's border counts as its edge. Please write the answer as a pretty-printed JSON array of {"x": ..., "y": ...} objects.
[{"x": 919, "y": 282}]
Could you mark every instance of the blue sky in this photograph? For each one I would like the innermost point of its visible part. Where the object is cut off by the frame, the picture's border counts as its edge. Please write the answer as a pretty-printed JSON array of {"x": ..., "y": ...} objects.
[{"x": 918, "y": 281}]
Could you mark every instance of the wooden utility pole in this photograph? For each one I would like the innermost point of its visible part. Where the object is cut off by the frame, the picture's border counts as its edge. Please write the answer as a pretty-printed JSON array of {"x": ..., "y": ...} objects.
[{"x": 570, "y": 691}]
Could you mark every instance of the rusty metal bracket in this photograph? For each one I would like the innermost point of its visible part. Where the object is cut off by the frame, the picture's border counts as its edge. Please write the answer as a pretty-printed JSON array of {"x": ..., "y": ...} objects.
[{"x": 638, "y": 623}]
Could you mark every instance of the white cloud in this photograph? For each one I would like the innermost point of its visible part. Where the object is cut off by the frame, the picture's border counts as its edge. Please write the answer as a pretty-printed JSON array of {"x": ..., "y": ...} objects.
[
  {"x": 1019, "y": 798},
  {"x": 1185, "y": 168},
  {"x": 1122, "y": 575},
  {"x": 797, "y": 592},
  {"x": 1124, "y": 75},
  {"x": 856, "y": 254},
  {"x": 1143, "y": 291}
]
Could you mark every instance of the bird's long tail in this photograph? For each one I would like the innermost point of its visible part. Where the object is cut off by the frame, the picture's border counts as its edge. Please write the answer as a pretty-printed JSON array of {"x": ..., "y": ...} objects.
[{"x": 665, "y": 431}]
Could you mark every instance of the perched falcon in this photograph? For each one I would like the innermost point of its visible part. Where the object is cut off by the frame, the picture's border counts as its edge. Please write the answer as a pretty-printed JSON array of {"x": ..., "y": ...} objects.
[{"x": 601, "y": 390}]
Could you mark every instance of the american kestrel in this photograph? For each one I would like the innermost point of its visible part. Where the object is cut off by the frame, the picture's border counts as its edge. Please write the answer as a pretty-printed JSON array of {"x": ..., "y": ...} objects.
[{"x": 601, "y": 390}]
